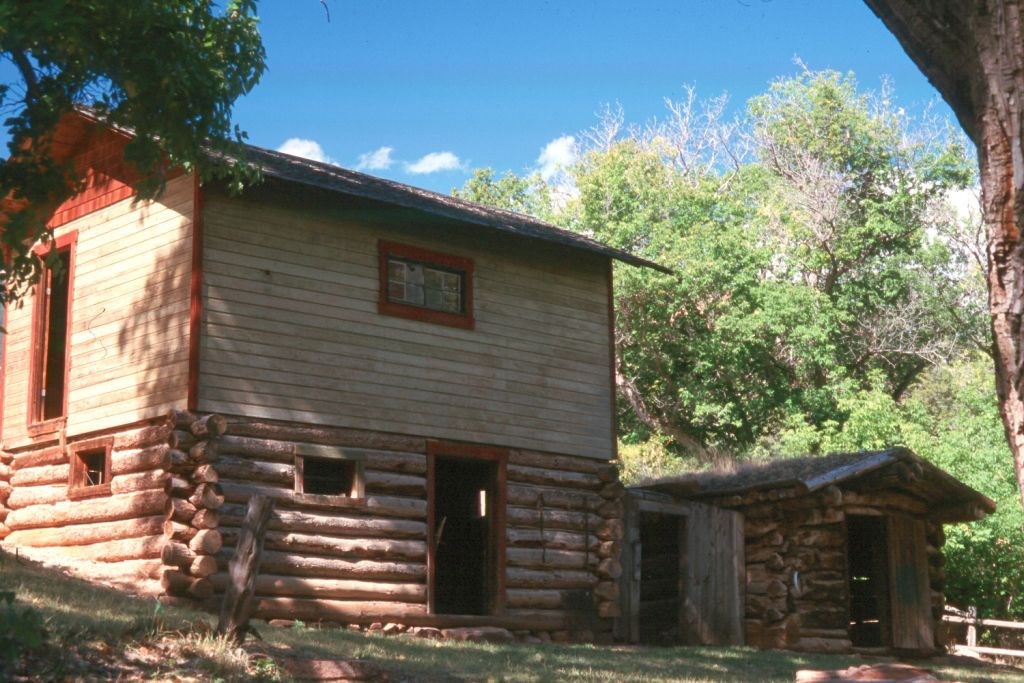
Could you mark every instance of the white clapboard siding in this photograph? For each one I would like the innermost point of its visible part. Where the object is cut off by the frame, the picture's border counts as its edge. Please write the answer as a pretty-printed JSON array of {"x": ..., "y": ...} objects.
[
  {"x": 129, "y": 337},
  {"x": 291, "y": 332}
]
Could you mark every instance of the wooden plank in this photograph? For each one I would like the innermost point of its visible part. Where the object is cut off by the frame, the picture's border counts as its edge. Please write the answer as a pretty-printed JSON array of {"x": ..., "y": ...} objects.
[
  {"x": 714, "y": 591},
  {"x": 910, "y": 602}
]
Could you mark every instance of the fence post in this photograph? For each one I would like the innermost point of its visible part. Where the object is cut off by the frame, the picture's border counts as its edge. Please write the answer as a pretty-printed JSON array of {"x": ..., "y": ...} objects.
[{"x": 972, "y": 629}]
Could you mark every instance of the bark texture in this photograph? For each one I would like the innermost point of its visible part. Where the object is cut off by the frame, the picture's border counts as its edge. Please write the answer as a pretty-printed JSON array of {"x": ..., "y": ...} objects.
[{"x": 973, "y": 53}]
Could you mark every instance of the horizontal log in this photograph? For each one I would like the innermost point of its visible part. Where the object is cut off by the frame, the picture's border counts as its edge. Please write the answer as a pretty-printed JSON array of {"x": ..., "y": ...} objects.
[
  {"x": 84, "y": 534},
  {"x": 205, "y": 474},
  {"x": 535, "y": 599},
  {"x": 553, "y": 539},
  {"x": 178, "y": 461},
  {"x": 291, "y": 564},
  {"x": 246, "y": 470},
  {"x": 611, "y": 530},
  {"x": 142, "y": 437},
  {"x": 176, "y": 531},
  {"x": 539, "y": 558},
  {"x": 5, "y": 471},
  {"x": 5, "y": 491},
  {"x": 885, "y": 501},
  {"x": 205, "y": 452},
  {"x": 284, "y": 497},
  {"x": 181, "y": 419},
  {"x": 256, "y": 448},
  {"x": 45, "y": 474},
  {"x": 550, "y": 477},
  {"x": 607, "y": 590},
  {"x": 393, "y": 484},
  {"x": 201, "y": 589},
  {"x": 175, "y": 581},
  {"x": 206, "y": 519},
  {"x": 207, "y": 496},
  {"x": 525, "y": 495},
  {"x": 138, "y": 481},
  {"x": 517, "y": 577},
  {"x": 336, "y": 524},
  {"x": 139, "y": 460},
  {"x": 26, "y": 496},
  {"x": 174, "y": 554},
  {"x": 553, "y": 519},
  {"x": 53, "y": 455},
  {"x": 177, "y": 486},
  {"x": 145, "y": 547},
  {"x": 121, "y": 506},
  {"x": 181, "y": 439},
  {"x": 5, "y": 531},
  {"x": 347, "y": 611},
  {"x": 203, "y": 566},
  {"x": 611, "y": 490},
  {"x": 393, "y": 461},
  {"x": 609, "y": 549},
  {"x": 179, "y": 510},
  {"x": 206, "y": 542},
  {"x": 209, "y": 426},
  {"x": 565, "y": 463},
  {"x": 330, "y": 436},
  {"x": 342, "y": 589},
  {"x": 340, "y": 547},
  {"x": 833, "y": 645},
  {"x": 609, "y": 610},
  {"x": 609, "y": 568}
]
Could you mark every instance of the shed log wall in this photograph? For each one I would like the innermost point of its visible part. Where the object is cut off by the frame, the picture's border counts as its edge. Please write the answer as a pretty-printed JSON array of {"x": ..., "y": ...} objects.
[
  {"x": 797, "y": 583},
  {"x": 130, "y": 309},
  {"x": 292, "y": 332}
]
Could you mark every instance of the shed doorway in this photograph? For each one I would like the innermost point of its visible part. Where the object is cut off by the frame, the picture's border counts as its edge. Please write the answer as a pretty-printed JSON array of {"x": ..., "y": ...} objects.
[
  {"x": 464, "y": 528},
  {"x": 662, "y": 577},
  {"x": 868, "y": 572}
]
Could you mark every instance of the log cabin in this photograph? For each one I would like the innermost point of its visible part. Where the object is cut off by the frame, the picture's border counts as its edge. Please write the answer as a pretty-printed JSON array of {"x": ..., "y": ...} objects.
[
  {"x": 826, "y": 554},
  {"x": 424, "y": 386}
]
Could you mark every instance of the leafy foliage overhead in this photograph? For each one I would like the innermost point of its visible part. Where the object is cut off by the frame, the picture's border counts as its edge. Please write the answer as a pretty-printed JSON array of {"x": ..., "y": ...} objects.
[{"x": 170, "y": 70}]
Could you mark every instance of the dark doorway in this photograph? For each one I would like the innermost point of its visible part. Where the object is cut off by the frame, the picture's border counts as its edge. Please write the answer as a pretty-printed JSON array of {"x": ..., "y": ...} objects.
[
  {"x": 662, "y": 550},
  {"x": 868, "y": 570},
  {"x": 464, "y": 529}
]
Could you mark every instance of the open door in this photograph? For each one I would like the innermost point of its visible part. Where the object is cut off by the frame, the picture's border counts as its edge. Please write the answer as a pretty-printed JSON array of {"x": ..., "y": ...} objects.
[
  {"x": 662, "y": 578},
  {"x": 466, "y": 531}
]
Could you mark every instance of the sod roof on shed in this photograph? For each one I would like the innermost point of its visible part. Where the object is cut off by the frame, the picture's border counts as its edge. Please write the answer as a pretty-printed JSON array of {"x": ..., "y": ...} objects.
[{"x": 813, "y": 473}]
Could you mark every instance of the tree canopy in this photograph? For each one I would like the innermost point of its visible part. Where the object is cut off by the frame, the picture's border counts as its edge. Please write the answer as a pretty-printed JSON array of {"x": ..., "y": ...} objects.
[{"x": 169, "y": 70}]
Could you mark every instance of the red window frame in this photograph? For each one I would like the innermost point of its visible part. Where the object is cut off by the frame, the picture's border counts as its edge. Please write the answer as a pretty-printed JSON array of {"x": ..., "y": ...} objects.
[
  {"x": 461, "y": 264},
  {"x": 77, "y": 488},
  {"x": 37, "y": 425}
]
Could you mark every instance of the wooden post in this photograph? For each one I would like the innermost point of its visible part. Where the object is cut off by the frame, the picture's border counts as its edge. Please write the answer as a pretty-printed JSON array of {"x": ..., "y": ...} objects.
[
  {"x": 972, "y": 629},
  {"x": 243, "y": 569}
]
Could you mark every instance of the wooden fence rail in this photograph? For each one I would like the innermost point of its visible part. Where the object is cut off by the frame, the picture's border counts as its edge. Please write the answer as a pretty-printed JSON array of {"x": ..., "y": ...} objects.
[{"x": 973, "y": 621}]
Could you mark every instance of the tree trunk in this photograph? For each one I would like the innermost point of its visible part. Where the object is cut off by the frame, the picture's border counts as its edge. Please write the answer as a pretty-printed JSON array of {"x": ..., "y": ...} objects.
[
  {"x": 244, "y": 570},
  {"x": 973, "y": 53}
]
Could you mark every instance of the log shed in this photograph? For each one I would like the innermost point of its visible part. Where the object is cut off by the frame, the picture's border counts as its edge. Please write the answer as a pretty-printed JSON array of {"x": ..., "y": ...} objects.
[{"x": 838, "y": 553}]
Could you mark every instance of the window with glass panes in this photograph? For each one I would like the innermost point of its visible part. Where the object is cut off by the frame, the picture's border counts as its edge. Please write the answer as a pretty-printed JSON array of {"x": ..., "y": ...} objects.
[
  {"x": 425, "y": 285},
  {"x": 419, "y": 284}
]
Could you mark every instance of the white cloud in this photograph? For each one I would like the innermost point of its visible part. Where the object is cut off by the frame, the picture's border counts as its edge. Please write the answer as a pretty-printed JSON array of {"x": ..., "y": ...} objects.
[
  {"x": 307, "y": 149},
  {"x": 434, "y": 163},
  {"x": 556, "y": 156},
  {"x": 377, "y": 160}
]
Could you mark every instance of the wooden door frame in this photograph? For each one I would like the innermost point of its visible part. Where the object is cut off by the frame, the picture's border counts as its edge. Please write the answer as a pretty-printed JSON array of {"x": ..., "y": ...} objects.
[{"x": 468, "y": 451}]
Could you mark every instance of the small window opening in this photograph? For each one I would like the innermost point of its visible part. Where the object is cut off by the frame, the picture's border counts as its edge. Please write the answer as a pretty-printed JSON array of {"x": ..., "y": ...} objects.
[
  {"x": 328, "y": 476},
  {"x": 93, "y": 468},
  {"x": 90, "y": 468},
  {"x": 421, "y": 284}
]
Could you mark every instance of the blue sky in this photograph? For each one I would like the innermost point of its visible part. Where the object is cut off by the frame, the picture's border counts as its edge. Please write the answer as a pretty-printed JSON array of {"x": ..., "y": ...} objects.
[{"x": 492, "y": 83}]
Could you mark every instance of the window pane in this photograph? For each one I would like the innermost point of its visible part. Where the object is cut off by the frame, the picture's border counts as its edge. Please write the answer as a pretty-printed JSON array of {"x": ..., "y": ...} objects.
[{"x": 417, "y": 284}]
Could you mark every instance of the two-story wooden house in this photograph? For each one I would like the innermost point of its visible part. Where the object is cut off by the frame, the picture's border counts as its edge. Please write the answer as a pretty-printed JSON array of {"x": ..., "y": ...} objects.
[{"x": 424, "y": 385}]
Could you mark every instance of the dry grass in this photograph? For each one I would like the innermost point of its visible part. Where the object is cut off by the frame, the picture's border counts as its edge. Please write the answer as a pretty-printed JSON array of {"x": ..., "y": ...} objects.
[{"x": 98, "y": 633}]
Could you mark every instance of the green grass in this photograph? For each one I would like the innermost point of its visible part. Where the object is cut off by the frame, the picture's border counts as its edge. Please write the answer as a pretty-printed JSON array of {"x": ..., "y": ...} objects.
[{"x": 94, "y": 632}]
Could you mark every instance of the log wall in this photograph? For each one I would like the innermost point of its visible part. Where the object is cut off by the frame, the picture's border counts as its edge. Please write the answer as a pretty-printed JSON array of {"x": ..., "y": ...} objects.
[
  {"x": 365, "y": 561},
  {"x": 124, "y": 525},
  {"x": 797, "y": 584}
]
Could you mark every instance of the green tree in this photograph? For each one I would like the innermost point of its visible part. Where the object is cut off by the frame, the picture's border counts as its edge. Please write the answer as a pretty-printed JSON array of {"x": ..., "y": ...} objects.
[
  {"x": 168, "y": 70},
  {"x": 529, "y": 195}
]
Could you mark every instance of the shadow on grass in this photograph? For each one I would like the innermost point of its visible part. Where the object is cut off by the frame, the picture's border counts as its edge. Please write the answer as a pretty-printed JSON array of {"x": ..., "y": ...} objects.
[{"x": 441, "y": 661}]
